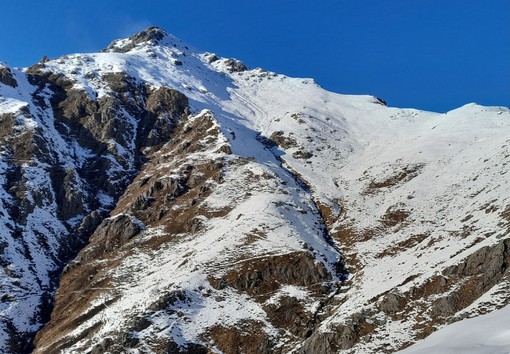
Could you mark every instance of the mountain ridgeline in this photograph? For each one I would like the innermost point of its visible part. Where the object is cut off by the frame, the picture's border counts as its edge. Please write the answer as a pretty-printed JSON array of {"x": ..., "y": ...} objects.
[{"x": 158, "y": 199}]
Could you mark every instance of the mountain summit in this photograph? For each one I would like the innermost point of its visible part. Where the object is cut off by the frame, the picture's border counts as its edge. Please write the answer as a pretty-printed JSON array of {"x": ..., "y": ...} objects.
[
  {"x": 158, "y": 199},
  {"x": 152, "y": 36}
]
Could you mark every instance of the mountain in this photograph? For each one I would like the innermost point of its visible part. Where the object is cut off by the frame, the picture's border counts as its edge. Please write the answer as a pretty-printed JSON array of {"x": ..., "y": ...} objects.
[{"x": 158, "y": 199}]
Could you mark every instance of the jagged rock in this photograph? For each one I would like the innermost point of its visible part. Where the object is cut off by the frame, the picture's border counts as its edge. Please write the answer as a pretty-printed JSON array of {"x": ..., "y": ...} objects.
[
  {"x": 246, "y": 337},
  {"x": 381, "y": 101},
  {"x": 211, "y": 57},
  {"x": 446, "y": 306},
  {"x": 169, "y": 299},
  {"x": 298, "y": 268},
  {"x": 391, "y": 303},
  {"x": 234, "y": 65},
  {"x": 67, "y": 196},
  {"x": 290, "y": 315},
  {"x": 7, "y": 78},
  {"x": 279, "y": 138},
  {"x": 225, "y": 149},
  {"x": 90, "y": 223},
  {"x": 300, "y": 154},
  {"x": 339, "y": 338},
  {"x": 489, "y": 261},
  {"x": 165, "y": 107},
  {"x": 151, "y": 35},
  {"x": 118, "y": 231}
]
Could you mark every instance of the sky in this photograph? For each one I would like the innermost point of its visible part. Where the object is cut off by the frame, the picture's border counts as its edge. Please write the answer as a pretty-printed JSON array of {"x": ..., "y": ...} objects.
[{"x": 428, "y": 54}]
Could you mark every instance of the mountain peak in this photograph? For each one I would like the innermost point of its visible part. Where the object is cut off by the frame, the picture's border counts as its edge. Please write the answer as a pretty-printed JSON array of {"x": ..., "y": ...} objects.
[{"x": 151, "y": 36}]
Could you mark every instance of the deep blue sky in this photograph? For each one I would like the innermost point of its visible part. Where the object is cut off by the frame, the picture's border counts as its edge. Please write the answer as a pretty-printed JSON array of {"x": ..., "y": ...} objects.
[{"x": 428, "y": 54}]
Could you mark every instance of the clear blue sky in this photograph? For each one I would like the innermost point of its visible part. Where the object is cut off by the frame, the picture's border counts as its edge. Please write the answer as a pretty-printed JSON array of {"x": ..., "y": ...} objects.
[{"x": 429, "y": 54}]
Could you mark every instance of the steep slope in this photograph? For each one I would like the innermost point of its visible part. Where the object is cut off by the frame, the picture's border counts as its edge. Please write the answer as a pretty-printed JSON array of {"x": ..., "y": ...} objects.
[
  {"x": 236, "y": 210},
  {"x": 65, "y": 161},
  {"x": 237, "y": 232}
]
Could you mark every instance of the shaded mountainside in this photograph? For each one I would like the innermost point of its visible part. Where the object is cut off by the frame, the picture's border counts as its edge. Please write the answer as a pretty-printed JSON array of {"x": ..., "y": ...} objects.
[
  {"x": 66, "y": 159},
  {"x": 158, "y": 199}
]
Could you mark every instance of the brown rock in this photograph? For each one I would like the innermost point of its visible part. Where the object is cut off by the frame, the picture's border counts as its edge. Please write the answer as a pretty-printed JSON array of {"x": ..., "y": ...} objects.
[{"x": 7, "y": 78}]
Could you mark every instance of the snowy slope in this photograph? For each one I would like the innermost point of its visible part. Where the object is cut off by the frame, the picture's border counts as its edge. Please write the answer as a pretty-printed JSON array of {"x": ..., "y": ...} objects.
[
  {"x": 408, "y": 200},
  {"x": 263, "y": 221},
  {"x": 415, "y": 192},
  {"x": 487, "y": 334}
]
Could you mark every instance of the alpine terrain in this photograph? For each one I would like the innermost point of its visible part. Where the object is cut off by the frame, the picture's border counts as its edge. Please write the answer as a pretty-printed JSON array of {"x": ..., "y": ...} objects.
[{"x": 158, "y": 199}]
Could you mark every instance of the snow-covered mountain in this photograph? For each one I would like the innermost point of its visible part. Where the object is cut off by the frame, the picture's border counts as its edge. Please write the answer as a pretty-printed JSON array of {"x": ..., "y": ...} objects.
[{"x": 155, "y": 198}]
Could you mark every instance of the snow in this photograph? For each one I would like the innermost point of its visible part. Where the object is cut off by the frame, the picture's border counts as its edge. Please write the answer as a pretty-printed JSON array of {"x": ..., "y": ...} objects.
[
  {"x": 486, "y": 334},
  {"x": 268, "y": 207},
  {"x": 459, "y": 159}
]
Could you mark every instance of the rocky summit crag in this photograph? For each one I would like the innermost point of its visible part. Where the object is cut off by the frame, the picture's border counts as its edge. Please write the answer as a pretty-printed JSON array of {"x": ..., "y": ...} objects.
[{"x": 156, "y": 199}]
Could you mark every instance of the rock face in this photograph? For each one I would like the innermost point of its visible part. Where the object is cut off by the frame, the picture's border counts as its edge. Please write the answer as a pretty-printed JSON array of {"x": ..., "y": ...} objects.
[
  {"x": 6, "y": 77},
  {"x": 165, "y": 203},
  {"x": 157, "y": 199},
  {"x": 66, "y": 159}
]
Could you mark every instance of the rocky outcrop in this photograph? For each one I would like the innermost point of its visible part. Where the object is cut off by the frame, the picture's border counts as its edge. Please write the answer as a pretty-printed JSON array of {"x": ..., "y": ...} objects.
[
  {"x": 235, "y": 65},
  {"x": 330, "y": 342},
  {"x": 7, "y": 78},
  {"x": 440, "y": 300},
  {"x": 152, "y": 35},
  {"x": 264, "y": 275},
  {"x": 117, "y": 231},
  {"x": 247, "y": 338}
]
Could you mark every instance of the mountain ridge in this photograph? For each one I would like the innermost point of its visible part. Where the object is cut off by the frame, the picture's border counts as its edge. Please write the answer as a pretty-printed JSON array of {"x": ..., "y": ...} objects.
[{"x": 308, "y": 209}]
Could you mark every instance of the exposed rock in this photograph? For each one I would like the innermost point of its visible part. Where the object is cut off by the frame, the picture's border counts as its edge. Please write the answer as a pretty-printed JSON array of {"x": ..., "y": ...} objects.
[
  {"x": 394, "y": 215},
  {"x": 197, "y": 231},
  {"x": 300, "y": 154},
  {"x": 149, "y": 198},
  {"x": 211, "y": 57},
  {"x": 7, "y": 78},
  {"x": 290, "y": 315},
  {"x": 400, "y": 175},
  {"x": 445, "y": 306},
  {"x": 489, "y": 261},
  {"x": 235, "y": 65},
  {"x": 280, "y": 139},
  {"x": 381, "y": 101},
  {"x": 191, "y": 348},
  {"x": 168, "y": 299},
  {"x": 391, "y": 303},
  {"x": 443, "y": 296},
  {"x": 67, "y": 195},
  {"x": 266, "y": 274},
  {"x": 90, "y": 223},
  {"x": 247, "y": 337},
  {"x": 165, "y": 107},
  {"x": 152, "y": 35},
  {"x": 118, "y": 231},
  {"x": 329, "y": 342}
]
